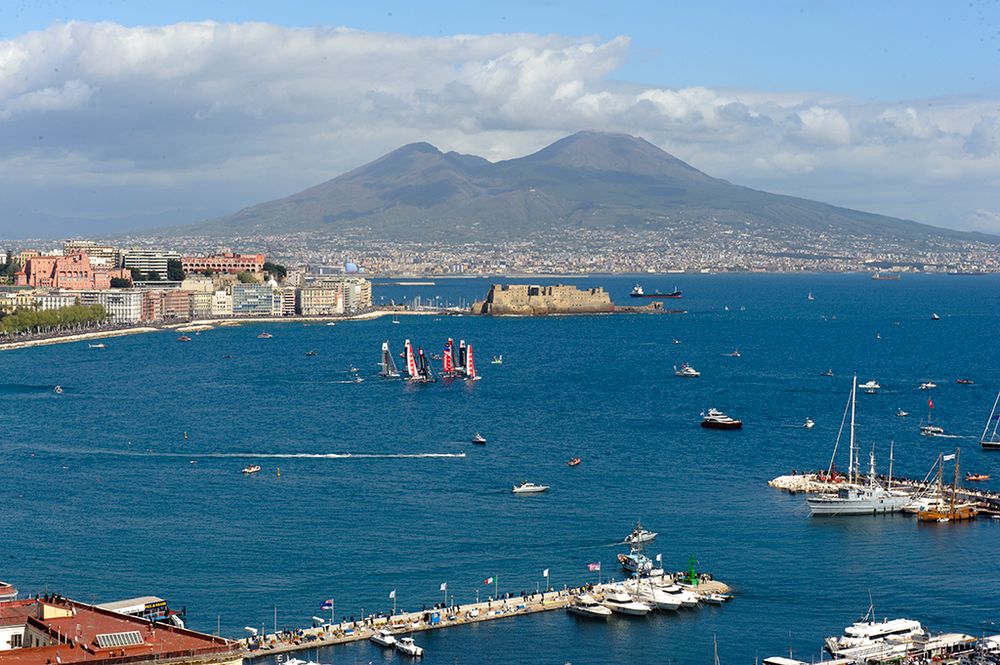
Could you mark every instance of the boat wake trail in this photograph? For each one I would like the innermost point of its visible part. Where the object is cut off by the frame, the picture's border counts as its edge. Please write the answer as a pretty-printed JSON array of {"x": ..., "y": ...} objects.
[{"x": 252, "y": 455}]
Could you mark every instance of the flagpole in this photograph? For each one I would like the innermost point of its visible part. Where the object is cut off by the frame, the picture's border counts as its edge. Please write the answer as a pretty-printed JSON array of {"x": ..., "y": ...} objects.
[
  {"x": 331, "y": 613},
  {"x": 496, "y": 583}
]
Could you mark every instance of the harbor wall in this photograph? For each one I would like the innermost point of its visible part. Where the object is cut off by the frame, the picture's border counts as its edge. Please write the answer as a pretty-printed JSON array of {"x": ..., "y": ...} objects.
[{"x": 533, "y": 300}]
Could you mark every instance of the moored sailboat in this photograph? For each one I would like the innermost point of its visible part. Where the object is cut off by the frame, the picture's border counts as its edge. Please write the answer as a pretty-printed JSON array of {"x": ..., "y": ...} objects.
[{"x": 952, "y": 510}]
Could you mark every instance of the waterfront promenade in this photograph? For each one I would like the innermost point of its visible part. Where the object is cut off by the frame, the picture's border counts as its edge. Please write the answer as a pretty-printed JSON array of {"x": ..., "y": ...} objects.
[{"x": 435, "y": 618}]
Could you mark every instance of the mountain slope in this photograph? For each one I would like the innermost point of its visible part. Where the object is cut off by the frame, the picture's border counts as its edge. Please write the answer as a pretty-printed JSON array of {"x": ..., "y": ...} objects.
[{"x": 587, "y": 180}]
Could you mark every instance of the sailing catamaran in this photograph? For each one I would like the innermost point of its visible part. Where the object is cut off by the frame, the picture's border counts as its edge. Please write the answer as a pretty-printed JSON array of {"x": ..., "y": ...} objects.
[
  {"x": 448, "y": 370},
  {"x": 991, "y": 442},
  {"x": 853, "y": 498},
  {"x": 389, "y": 370},
  {"x": 424, "y": 370},
  {"x": 470, "y": 365},
  {"x": 416, "y": 371}
]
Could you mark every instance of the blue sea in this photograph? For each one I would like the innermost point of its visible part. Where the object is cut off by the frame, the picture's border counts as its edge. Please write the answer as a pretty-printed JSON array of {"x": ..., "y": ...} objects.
[{"x": 129, "y": 482}]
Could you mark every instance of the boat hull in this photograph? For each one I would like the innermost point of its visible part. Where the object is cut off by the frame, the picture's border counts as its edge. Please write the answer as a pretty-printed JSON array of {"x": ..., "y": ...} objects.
[
  {"x": 833, "y": 507},
  {"x": 710, "y": 424},
  {"x": 598, "y": 612}
]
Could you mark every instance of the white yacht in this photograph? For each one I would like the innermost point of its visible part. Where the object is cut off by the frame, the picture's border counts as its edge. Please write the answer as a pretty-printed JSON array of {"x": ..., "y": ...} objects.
[
  {"x": 587, "y": 606},
  {"x": 479, "y": 438},
  {"x": 529, "y": 488},
  {"x": 716, "y": 598},
  {"x": 686, "y": 371},
  {"x": 7, "y": 591},
  {"x": 645, "y": 592},
  {"x": 855, "y": 498},
  {"x": 871, "y": 386},
  {"x": 685, "y": 597},
  {"x": 927, "y": 385},
  {"x": 619, "y": 601},
  {"x": 383, "y": 638},
  {"x": 809, "y": 424},
  {"x": 639, "y": 535},
  {"x": 406, "y": 645},
  {"x": 868, "y": 632}
]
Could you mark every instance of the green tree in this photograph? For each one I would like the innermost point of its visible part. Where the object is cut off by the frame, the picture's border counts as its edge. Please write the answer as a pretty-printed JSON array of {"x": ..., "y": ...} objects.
[
  {"x": 136, "y": 274},
  {"x": 245, "y": 278},
  {"x": 174, "y": 271},
  {"x": 120, "y": 283},
  {"x": 209, "y": 272},
  {"x": 153, "y": 276},
  {"x": 276, "y": 270}
]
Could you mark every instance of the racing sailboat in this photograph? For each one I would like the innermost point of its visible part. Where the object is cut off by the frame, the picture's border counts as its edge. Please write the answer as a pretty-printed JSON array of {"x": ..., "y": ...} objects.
[
  {"x": 424, "y": 369},
  {"x": 412, "y": 374},
  {"x": 389, "y": 370},
  {"x": 470, "y": 365},
  {"x": 448, "y": 361}
]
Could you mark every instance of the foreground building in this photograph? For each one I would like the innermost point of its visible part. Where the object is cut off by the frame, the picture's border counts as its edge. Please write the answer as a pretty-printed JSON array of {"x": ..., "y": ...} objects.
[
  {"x": 54, "y": 630},
  {"x": 74, "y": 271}
]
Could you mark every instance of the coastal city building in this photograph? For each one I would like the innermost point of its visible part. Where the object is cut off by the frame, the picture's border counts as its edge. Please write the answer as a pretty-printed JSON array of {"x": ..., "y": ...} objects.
[
  {"x": 105, "y": 256},
  {"x": 123, "y": 306},
  {"x": 255, "y": 300},
  {"x": 148, "y": 261},
  {"x": 534, "y": 299},
  {"x": 225, "y": 262},
  {"x": 73, "y": 271}
]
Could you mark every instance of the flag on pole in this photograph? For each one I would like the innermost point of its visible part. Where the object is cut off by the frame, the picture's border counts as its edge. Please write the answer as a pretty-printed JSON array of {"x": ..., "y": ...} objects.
[
  {"x": 488, "y": 580},
  {"x": 327, "y": 604},
  {"x": 444, "y": 586},
  {"x": 392, "y": 594},
  {"x": 948, "y": 458},
  {"x": 594, "y": 567},
  {"x": 930, "y": 403},
  {"x": 545, "y": 573}
]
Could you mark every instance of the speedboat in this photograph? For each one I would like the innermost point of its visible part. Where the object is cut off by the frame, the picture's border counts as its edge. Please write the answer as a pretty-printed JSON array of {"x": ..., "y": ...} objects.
[
  {"x": 828, "y": 372},
  {"x": 573, "y": 461},
  {"x": 927, "y": 385},
  {"x": 716, "y": 419},
  {"x": 265, "y": 335},
  {"x": 977, "y": 477},
  {"x": 639, "y": 535},
  {"x": 586, "y": 605},
  {"x": 99, "y": 345},
  {"x": 58, "y": 390},
  {"x": 622, "y": 603},
  {"x": 333, "y": 323},
  {"x": 964, "y": 382},
  {"x": 406, "y": 645},
  {"x": 902, "y": 414},
  {"x": 869, "y": 386},
  {"x": 357, "y": 379},
  {"x": 686, "y": 371},
  {"x": 809, "y": 424},
  {"x": 183, "y": 338},
  {"x": 253, "y": 468},
  {"x": 529, "y": 488},
  {"x": 716, "y": 598},
  {"x": 685, "y": 597},
  {"x": 7, "y": 591},
  {"x": 479, "y": 438},
  {"x": 310, "y": 353},
  {"x": 735, "y": 354},
  {"x": 383, "y": 638}
]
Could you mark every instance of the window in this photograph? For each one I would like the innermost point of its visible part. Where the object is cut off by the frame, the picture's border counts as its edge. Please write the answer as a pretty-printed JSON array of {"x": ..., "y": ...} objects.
[
  {"x": 15, "y": 640},
  {"x": 126, "y": 639}
]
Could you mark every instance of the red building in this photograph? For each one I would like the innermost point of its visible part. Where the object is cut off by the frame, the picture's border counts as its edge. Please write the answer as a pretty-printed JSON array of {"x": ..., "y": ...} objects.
[
  {"x": 227, "y": 262},
  {"x": 66, "y": 272},
  {"x": 57, "y": 631}
]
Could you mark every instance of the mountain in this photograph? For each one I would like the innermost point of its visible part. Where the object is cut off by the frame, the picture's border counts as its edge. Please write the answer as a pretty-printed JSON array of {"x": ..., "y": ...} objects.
[{"x": 587, "y": 180}]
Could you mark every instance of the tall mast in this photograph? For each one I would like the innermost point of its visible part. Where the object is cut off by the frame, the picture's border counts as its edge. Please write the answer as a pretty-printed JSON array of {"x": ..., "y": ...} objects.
[
  {"x": 890, "y": 465},
  {"x": 851, "y": 474},
  {"x": 954, "y": 487},
  {"x": 992, "y": 413}
]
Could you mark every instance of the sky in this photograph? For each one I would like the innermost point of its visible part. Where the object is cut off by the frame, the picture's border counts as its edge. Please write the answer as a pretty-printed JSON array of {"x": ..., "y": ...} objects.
[{"x": 117, "y": 108}]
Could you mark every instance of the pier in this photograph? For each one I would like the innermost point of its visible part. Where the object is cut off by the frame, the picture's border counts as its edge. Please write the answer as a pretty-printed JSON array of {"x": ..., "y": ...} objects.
[{"x": 439, "y": 617}]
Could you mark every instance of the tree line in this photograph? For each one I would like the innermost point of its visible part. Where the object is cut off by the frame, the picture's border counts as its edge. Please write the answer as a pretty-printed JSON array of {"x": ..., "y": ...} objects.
[{"x": 64, "y": 319}]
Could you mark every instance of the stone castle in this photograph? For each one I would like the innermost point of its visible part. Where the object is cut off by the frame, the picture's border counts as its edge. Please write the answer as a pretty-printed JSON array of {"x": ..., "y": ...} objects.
[{"x": 530, "y": 299}]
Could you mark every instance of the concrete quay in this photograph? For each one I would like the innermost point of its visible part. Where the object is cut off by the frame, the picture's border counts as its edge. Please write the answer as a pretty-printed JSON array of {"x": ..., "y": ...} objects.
[{"x": 413, "y": 622}]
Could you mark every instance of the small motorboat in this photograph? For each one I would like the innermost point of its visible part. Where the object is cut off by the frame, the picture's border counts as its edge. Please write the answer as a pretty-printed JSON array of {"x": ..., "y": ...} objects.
[
  {"x": 935, "y": 317},
  {"x": 622, "y": 603},
  {"x": 931, "y": 430},
  {"x": 809, "y": 424},
  {"x": 734, "y": 354},
  {"x": 310, "y": 353},
  {"x": 964, "y": 382},
  {"x": 639, "y": 535},
  {"x": 253, "y": 468},
  {"x": 58, "y": 390},
  {"x": 331, "y": 323},
  {"x": 871, "y": 386},
  {"x": 573, "y": 461},
  {"x": 529, "y": 488},
  {"x": 497, "y": 360},
  {"x": 99, "y": 345},
  {"x": 357, "y": 379},
  {"x": 406, "y": 645},
  {"x": 902, "y": 414},
  {"x": 265, "y": 335},
  {"x": 927, "y": 385},
  {"x": 686, "y": 371},
  {"x": 183, "y": 338},
  {"x": 586, "y": 605},
  {"x": 716, "y": 419},
  {"x": 383, "y": 638},
  {"x": 676, "y": 341},
  {"x": 479, "y": 439},
  {"x": 716, "y": 598},
  {"x": 828, "y": 372},
  {"x": 977, "y": 477}
]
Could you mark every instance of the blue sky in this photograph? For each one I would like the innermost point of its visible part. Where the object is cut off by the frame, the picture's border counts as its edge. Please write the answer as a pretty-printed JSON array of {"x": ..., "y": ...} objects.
[
  {"x": 132, "y": 109},
  {"x": 875, "y": 49}
]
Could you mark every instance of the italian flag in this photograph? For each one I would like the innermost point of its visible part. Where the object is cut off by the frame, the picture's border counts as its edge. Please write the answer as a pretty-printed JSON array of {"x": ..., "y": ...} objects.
[{"x": 489, "y": 580}]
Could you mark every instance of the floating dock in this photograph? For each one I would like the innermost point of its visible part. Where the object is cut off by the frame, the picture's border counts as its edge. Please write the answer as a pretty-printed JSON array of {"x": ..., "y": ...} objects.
[{"x": 437, "y": 618}]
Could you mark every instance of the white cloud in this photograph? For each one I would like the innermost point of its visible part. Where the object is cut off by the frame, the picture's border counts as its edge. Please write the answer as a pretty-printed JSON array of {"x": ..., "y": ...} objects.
[{"x": 119, "y": 119}]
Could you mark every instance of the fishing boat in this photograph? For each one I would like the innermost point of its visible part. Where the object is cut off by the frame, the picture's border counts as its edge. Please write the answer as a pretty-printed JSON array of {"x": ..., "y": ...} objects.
[
  {"x": 58, "y": 390},
  {"x": 948, "y": 510},
  {"x": 620, "y": 602},
  {"x": 183, "y": 338},
  {"x": 265, "y": 335},
  {"x": 928, "y": 428},
  {"x": 977, "y": 477},
  {"x": 635, "y": 561},
  {"x": 639, "y": 535},
  {"x": 715, "y": 419},
  {"x": 407, "y": 646},
  {"x": 497, "y": 360},
  {"x": 524, "y": 487},
  {"x": 853, "y": 497},
  {"x": 470, "y": 365},
  {"x": 964, "y": 382},
  {"x": 928, "y": 385},
  {"x": 871, "y": 386},
  {"x": 990, "y": 439},
  {"x": 686, "y": 371},
  {"x": 586, "y": 605},
  {"x": 99, "y": 345},
  {"x": 479, "y": 438},
  {"x": 637, "y": 292},
  {"x": 7, "y": 591},
  {"x": 574, "y": 461},
  {"x": 388, "y": 370},
  {"x": 384, "y": 638},
  {"x": 253, "y": 468}
]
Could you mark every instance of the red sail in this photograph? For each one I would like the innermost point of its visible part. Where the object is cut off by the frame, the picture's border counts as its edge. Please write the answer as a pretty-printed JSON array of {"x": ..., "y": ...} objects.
[
  {"x": 470, "y": 364},
  {"x": 411, "y": 363},
  {"x": 449, "y": 367}
]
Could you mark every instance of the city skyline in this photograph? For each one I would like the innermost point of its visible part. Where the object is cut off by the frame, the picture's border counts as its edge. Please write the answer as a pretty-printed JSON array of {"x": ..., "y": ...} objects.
[{"x": 104, "y": 119}]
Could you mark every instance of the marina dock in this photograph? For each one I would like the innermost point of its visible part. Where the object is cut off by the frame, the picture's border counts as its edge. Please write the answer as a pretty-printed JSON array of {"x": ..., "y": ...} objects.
[{"x": 438, "y": 617}]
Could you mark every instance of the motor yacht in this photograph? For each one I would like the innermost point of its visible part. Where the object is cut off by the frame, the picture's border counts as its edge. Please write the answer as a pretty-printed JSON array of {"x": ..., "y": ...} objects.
[
  {"x": 635, "y": 562},
  {"x": 383, "y": 638},
  {"x": 685, "y": 597},
  {"x": 927, "y": 385},
  {"x": 867, "y": 632},
  {"x": 653, "y": 596},
  {"x": 7, "y": 591},
  {"x": 639, "y": 535},
  {"x": 870, "y": 387},
  {"x": 715, "y": 419},
  {"x": 529, "y": 488},
  {"x": 587, "y": 606},
  {"x": 686, "y": 371},
  {"x": 265, "y": 335},
  {"x": 406, "y": 645},
  {"x": 809, "y": 424},
  {"x": 620, "y": 602}
]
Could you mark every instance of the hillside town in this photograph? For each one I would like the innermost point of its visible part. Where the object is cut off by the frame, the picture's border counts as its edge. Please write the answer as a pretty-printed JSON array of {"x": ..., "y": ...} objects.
[{"x": 133, "y": 286}]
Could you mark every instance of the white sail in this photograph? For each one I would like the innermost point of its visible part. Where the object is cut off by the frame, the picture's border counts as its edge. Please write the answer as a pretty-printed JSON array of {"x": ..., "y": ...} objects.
[{"x": 389, "y": 370}]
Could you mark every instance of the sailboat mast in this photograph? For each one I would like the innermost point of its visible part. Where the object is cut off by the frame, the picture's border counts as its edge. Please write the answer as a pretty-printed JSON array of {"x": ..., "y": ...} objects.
[
  {"x": 851, "y": 474},
  {"x": 954, "y": 487},
  {"x": 891, "y": 443},
  {"x": 992, "y": 413}
]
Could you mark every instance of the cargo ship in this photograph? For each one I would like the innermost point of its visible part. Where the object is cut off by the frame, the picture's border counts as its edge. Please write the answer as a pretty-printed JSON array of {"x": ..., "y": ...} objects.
[
  {"x": 637, "y": 292},
  {"x": 884, "y": 276}
]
